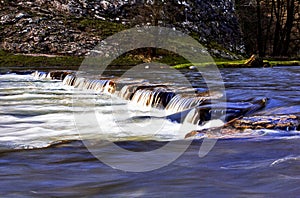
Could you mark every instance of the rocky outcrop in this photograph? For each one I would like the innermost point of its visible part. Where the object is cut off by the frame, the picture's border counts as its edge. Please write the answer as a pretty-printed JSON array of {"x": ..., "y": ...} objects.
[
  {"x": 27, "y": 27},
  {"x": 73, "y": 27}
]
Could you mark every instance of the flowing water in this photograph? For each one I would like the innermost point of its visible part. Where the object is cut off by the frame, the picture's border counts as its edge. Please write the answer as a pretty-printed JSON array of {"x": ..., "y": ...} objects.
[{"x": 42, "y": 152}]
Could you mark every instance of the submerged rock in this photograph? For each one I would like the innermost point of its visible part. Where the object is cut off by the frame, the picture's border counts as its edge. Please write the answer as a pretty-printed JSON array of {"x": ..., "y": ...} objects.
[
  {"x": 248, "y": 124},
  {"x": 282, "y": 122}
]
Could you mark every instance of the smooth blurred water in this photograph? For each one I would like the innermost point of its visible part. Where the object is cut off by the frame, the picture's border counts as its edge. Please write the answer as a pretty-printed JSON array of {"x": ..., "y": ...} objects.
[{"x": 41, "y": 152}]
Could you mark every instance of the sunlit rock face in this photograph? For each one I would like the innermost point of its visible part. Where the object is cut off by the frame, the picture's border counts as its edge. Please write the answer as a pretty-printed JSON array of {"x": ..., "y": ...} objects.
[{"x": 58, "y": 26}]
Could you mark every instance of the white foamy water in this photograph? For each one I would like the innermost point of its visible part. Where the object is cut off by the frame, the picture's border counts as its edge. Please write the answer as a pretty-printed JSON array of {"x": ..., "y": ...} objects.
[{"x": 36, "y": 113}]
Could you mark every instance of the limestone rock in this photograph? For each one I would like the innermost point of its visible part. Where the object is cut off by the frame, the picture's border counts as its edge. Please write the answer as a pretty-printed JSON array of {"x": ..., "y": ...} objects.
[{"x": 54, "y": 26}]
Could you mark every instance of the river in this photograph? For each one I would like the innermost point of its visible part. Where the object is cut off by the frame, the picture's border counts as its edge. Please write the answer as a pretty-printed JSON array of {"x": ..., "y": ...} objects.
[{"x": 43, "y": 154}]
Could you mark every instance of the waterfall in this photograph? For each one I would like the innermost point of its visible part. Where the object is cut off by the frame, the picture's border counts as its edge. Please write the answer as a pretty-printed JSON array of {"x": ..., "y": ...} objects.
[
  {"x": 200, "y": 115},
  {"x": 40, "y": 75},
  {"x": 110, "y": 87},
  {"x": 107, "y": 86},
  {"x": 157, "y": 97},
  {"x": 147, "y": 95},
  {"x": 79, "y": 82},
  {"x": 184, "y": 101},
  {"x": 57, "y": 75},
  {"x": 225, "y": 111},
  {"x": 181, "y": 103},
  {"x": 69, "y": 80},
  {"x": 144, "y": 94},
  {"x": 53, "y": 75},
  {"x": 127, "y": 91}
]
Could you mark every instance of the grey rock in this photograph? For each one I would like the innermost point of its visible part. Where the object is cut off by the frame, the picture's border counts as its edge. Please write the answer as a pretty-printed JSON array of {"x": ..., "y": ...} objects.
[{"x": 50, "y": 25}]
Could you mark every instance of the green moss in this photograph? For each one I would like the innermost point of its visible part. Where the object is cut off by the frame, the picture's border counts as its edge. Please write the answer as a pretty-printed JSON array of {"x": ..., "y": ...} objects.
[
  {"x": 12, "y": 61},
  {"x": 219, "y": 63},
  {"x": 173, "y": 60},
  {"x": 236, "y": 63},
  {"x": 285, "y": 63},
  {"x": 230, "y": 63},
  {"x": 9, "y": 60}
]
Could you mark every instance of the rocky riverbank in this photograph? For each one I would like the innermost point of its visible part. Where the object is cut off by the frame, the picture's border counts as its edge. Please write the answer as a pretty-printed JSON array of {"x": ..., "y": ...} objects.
[{"x": 74, "y": 27}]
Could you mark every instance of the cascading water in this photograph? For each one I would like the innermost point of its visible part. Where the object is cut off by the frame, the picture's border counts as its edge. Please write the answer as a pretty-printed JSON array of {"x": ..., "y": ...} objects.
[
  {"x": 158, "y": 97},
  {"x": 197, "y": 107},
  {"x": 69, "y": 80},
  {"x": 181, "y": 103},
  {"x": 258, "y": 154}
]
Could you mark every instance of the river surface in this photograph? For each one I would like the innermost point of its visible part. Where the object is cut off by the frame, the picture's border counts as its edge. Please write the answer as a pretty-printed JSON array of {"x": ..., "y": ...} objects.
[{"x": 42, "y": 152}]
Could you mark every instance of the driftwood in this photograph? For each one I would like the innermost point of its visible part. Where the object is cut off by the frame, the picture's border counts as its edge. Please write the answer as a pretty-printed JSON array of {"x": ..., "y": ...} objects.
[{"x": 254, "y": 61}]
